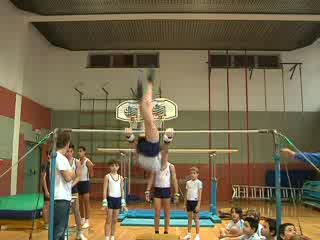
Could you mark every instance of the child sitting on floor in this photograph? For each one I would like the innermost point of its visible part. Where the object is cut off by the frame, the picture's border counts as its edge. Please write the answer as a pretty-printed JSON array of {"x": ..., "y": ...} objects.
[{"x": 234, "y": 228}]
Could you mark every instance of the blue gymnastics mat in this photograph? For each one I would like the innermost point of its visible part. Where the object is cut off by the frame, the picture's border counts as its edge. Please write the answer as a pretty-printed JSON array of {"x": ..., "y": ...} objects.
[
  {"x": 122, "y": 216},
  {"x": 149, "y": 214},
  {"x": 138, "y": 222}
]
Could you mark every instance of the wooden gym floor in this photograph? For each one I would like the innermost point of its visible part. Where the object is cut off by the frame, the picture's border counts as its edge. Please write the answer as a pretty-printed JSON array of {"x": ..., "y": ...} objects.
[{"x": 309, "y": 219}]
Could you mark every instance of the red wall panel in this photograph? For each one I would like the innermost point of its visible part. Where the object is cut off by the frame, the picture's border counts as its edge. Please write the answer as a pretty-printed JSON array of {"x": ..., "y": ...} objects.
[
  {"x": 35, "y": 114},
  {"x": 8, "y": 101}
]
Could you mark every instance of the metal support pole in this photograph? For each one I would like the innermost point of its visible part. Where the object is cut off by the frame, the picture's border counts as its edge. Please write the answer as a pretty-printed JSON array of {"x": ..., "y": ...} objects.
[
  {"x": 52, "y": 184},
  {"x": 276, "y": 158},
  {"x": 213, "y": 205},
  {"x": 247, "y": 121},
  {"x": 301, "y": 88},
  {"x": 105, "y": 121},
  {"x": 229, "y": 120},
  {"x": 283, "y": 90},
  {"x": 209, "y": 115},
  {"x": 80, "y": 109},
  {"x": 129, "y": 173},
  {"x": 265, "y": 90}
]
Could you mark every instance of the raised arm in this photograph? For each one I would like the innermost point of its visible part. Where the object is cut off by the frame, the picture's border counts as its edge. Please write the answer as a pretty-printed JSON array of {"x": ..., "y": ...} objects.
[{"x": 313, "y": 157}]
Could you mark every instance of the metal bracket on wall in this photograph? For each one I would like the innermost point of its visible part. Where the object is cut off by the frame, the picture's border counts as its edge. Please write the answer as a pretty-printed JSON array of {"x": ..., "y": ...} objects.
[
  {"x": 292, "y": 70},
  {"x": 251, "y": 72}
]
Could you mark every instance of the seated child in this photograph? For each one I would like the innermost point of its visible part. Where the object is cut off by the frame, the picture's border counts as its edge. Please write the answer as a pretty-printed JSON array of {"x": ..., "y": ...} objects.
[
  {"x": 268, "y": 230},
  {"x": 234, "y": 228},
  {"x": 287, "y": 231},
  {"x": 250, "y": 229},
  {"x": 256, "y": 215}
]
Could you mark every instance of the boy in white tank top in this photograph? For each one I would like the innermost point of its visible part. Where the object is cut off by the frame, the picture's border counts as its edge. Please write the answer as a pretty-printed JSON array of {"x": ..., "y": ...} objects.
[
  {"x": 75, "y": 165},
  {"x": 193, "y": 202},
  {"x": 84, "y": 186},
  {"x": 113, "y": 198},
  {"x": 163, "y": 180}
]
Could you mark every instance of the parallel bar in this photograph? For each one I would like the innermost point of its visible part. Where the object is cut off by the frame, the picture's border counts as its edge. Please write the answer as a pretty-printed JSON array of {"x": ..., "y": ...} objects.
[
  {"x": 174, "y": 16},
  {"x": 103, "y": 99},
  {"x": 75, "y": 130},
  {"x": 291, "y": 63},
  {"x": 177, "y": 150}
]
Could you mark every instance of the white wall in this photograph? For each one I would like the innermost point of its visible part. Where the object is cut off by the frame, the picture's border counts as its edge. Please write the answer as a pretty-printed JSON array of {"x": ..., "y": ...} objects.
[
  {"x": 183, "y": 76},
  {"x": 12, "y": 28},
  {"x": 49, "y": 75},
  {"x": 37, "y": 60}
]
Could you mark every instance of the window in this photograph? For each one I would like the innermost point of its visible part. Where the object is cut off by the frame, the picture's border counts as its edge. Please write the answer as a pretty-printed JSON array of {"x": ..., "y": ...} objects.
[
  {"x": 99, "y": 61},
  {"x": 122, "y": 61},
  {"x": 147, "y": 60},
  {"x": 220, "y": 61},
  {"x": 268, "y": 62},
  {"x": 242, "y": 61}
]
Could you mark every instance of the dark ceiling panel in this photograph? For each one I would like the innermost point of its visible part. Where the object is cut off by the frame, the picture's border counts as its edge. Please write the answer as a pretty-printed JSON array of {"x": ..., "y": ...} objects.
[
  {"x": 180, "y": 34},
  {"x": 74, "y": 7}
]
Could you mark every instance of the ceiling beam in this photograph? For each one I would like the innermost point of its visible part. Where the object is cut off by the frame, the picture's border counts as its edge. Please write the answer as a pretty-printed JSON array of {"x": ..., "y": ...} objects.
[{"x": 174, "y": 16}]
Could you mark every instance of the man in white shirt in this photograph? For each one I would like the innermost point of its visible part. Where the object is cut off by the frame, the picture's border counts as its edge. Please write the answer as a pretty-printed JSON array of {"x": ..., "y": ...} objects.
[{"x": 63, "y": 184}]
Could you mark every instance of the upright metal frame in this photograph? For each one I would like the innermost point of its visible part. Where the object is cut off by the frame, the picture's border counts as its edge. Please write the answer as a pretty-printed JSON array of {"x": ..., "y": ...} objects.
[{"x": 276, "y": 157}]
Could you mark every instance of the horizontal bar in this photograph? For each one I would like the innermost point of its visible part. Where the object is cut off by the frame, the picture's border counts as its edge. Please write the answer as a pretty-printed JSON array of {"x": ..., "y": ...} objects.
[
  {"x": 172, "y": 150},
  {"x": 137, "y": 180},
  {"x": 291, "y": 63},
  {"x": 175, "y": 131},
  {"x": 174, "y": 16},
  {"x": 104, "y": 99}
]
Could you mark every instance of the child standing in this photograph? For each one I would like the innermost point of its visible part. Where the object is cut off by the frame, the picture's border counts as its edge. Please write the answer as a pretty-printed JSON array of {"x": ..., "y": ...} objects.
[
  {"x": 193, "y": 202},
  {"x": 76, "y": 167},
  {"x": 113, "y": 198},
  {"x": 45, "y": 181},
  {"x": 84, "y": 186}
]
